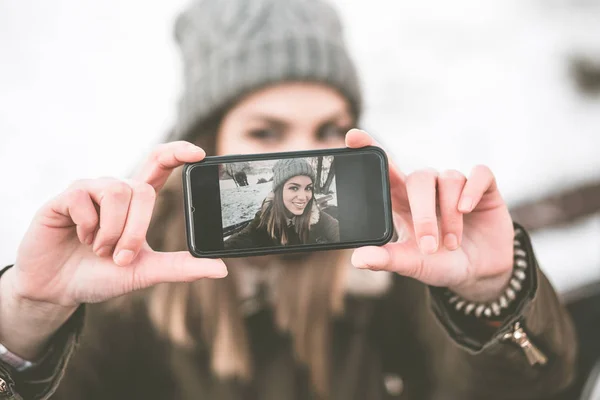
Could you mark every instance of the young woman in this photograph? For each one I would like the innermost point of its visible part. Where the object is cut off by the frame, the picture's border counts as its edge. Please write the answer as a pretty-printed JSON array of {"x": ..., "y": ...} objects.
[
  {"x": 458, "y": 308},
  {"x": 289, "y": 214}
]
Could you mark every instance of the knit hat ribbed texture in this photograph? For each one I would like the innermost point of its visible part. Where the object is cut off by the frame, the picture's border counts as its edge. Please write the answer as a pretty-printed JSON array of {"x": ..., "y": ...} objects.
[
  {"x": 287, "y": 168},
  {"x": 232, "y": 47}
]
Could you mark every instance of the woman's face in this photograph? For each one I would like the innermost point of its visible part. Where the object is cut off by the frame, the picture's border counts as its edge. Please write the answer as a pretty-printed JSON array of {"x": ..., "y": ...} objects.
[
  {"x": 286, "y": 117},
  {"x": 297, "y": 192}
]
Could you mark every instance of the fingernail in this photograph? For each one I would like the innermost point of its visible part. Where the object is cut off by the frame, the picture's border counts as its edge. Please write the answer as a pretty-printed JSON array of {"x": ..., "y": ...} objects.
[
  {"x": 428, "y": 244},
  {"x": 195, "y": 149},
  {"x": 89, "y": 239},
  {"x": 220, "y": 273},
  {"x": 465, "y": 204},
  {"x": 451, "y": 241},
  {"x": 357, "y": 262},
  {"x": 104, "y": 251},
  {"x": 361, "y": 265},
  {"x": 123, "y": 257}
]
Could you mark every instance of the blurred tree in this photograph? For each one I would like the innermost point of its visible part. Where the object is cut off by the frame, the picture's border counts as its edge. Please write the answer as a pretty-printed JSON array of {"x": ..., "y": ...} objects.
[
  {"x": 319, "y": 171},
  {"x": 586, "y": 73},
  {"x": 329, "y": 180},
  {"x": 228, "y": 170}
]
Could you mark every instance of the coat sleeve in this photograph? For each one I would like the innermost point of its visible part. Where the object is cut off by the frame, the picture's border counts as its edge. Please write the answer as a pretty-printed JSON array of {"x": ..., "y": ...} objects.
[
  {"x": 116, "y": 353},
  {"x": 244, "y": 239},
  {"x": 463, "y": 358},
  {"x": 468, "y": 359},
  {"x": 90, "y": 357},
  {"x": 42, "y": 380}
]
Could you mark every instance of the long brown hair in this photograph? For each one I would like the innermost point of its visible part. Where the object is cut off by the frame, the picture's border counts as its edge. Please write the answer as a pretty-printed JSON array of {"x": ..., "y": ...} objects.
[
  {"x": 273, "y": 218},
  {"x": 307, "y": 296}
]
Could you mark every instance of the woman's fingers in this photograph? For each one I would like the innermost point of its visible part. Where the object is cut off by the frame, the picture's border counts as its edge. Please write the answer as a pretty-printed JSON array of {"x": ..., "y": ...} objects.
[
  {"x": 356, "y": 138},
  {"x": 110, "y": 201},
  {"x": 421, "y": 189},
  {"x": 480, "y": 182},
  {"x": 450, "y": 187},
  {"x": 114, "y": 201},
  {"x": 406, "y": 259},
  {"x": 372, "y": 257},
  {"x": 75, "y": 206},
  {"x": 165, "y": 158},
  {"x": 153, "y": 267},
  {"x": 402, "y": 258},
  {"x": 118, "y": 213},
  {"x": 138, "y": 221}
]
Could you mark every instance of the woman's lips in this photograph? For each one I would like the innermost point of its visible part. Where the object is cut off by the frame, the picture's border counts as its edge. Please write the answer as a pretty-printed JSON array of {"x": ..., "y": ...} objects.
[{"x": 299, "y": 205}]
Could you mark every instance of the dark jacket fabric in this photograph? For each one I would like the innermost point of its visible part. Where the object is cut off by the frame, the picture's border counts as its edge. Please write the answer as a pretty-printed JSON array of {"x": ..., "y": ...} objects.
[
  {"x": 406, "y": 344},
  {"x": 323, "y": 229}
]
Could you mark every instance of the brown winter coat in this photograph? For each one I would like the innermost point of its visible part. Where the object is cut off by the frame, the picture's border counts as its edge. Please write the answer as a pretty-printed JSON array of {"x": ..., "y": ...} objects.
[{"x": 405, "y": 344}]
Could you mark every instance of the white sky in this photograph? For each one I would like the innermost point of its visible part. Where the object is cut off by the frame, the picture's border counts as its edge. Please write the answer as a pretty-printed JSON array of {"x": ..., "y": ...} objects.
[{"x": 87, "y": 87}]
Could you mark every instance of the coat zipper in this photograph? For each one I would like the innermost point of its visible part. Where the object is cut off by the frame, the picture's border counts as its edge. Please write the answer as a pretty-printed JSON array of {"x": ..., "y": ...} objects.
[{"x": 518, "y": 336}]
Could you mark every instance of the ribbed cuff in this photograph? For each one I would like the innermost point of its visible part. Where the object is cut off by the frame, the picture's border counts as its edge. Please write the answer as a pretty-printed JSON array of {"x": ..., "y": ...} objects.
[{"x": 473, "y": 332}]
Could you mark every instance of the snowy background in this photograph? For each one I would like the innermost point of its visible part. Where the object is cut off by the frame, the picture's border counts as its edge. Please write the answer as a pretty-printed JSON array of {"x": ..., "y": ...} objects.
[
  {"x": 240, "y": 203},
  {"x": 87, "y": 87}
]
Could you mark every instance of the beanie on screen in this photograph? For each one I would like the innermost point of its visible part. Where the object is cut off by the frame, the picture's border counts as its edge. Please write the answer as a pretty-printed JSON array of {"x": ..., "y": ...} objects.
[
  {"x": 289, "y": 167},
  {"x": 233, "y": 47}
]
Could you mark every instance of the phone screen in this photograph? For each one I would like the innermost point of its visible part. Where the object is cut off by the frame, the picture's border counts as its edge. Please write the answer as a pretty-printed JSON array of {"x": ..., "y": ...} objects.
[{"x": 287, "y": 202}]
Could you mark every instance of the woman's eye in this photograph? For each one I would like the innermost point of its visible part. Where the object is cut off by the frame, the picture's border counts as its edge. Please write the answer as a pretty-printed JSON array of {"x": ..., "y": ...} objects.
[
  {"x": 332, "y": 131},
  {"x": 264, "y": 134}
]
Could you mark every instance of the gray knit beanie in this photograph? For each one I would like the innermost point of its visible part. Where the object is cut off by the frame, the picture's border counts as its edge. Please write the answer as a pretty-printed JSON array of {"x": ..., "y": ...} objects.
[
  {"x": 287, "y": 168},
  {"x": 232, "y": 47}
]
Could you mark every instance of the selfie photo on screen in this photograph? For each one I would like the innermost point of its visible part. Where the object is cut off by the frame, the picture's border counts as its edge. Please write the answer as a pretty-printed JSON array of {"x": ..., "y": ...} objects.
[
  {"x": 267, "y": 203},
  {"x": 299, "y": 201}
]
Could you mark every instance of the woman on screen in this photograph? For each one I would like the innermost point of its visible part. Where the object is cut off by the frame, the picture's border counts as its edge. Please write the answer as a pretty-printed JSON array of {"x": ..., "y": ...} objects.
[
  {"x": 457, "y": 309},
  {"x": 289, "y": 215}
]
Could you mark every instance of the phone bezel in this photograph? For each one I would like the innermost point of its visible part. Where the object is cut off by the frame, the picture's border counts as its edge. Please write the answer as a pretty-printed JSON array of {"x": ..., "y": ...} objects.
[{"x": 189, "y": 220}]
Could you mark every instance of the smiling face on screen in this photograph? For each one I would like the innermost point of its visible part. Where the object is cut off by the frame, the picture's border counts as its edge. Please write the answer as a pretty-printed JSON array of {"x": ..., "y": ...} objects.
[{"x": 297, "y": 193}]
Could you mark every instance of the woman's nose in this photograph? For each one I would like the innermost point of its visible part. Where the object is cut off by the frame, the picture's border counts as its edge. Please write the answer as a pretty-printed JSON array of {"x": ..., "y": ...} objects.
[{"x": 301, "y": 196}]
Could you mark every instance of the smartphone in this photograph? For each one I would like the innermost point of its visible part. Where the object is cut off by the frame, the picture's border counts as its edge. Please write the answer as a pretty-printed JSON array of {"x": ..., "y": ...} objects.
[{"x": 249, "y": 205}]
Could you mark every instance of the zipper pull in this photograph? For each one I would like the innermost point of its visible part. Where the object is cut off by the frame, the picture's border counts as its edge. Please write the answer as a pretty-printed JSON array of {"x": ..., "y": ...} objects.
[{"x": 519, "y": 337}]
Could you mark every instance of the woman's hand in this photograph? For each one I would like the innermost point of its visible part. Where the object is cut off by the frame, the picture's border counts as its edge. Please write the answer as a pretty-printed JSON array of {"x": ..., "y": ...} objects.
[
  {"x": 458, "y": 231},
  {"x": 89, "y": 245}
]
